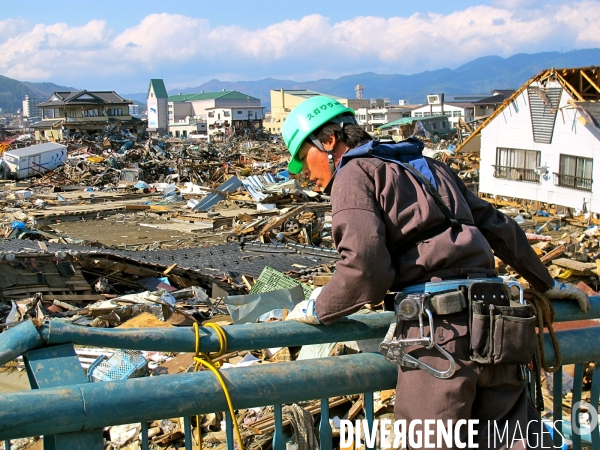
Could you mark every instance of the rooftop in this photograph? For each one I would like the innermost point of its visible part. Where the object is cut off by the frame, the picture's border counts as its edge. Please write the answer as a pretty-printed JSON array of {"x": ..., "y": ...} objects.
[
  {"x": 83, "y": 97},
  {"x": 229, "y": 95}
]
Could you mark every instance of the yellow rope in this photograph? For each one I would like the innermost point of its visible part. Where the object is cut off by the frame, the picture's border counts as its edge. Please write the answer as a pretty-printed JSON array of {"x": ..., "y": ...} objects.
[{"x": 205, "y": 360}]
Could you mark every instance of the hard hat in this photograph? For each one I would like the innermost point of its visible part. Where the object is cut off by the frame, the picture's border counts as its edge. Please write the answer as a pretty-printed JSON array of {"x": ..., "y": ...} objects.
[{"x": 306, "y": 118}]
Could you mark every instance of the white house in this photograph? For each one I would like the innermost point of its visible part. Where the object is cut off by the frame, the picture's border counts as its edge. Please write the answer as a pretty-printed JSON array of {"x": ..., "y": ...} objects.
[
  {"x": 374, "y": 117},
  {"x": 467, "y": 107},
  {"x": 543, "y": 144}
]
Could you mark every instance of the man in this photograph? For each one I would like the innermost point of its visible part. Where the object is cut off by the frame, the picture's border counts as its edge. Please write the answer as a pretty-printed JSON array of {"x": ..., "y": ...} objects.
[{"x": 402, "y": 222}]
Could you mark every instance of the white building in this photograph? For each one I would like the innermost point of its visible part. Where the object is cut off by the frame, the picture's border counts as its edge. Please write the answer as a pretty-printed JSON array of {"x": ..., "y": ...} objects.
[
  {"x": 31, "y": 108},
  {"x": 214, "y": 113},
  {"x": 544, "y": 143},
  {"x": 467, "y": 107},
  {"x": 374, "y": 117}
]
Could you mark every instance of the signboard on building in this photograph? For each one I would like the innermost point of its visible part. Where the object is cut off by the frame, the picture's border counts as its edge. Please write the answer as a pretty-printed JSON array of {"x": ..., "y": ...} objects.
[{"x": 152, "y": 113}]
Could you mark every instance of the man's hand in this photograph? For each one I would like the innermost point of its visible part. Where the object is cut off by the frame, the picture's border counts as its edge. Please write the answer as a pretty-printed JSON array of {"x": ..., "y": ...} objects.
[
  {"x": 305, "y": 310},
  {"x": 568, "y": 291}
]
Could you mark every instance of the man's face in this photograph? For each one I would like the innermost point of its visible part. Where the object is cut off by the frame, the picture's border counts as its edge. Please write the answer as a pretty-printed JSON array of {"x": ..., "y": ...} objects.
[{"x": 315, "y": 164}]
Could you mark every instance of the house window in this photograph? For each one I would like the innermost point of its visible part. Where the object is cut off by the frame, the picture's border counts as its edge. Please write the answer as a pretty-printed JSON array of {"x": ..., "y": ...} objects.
[
  {"x": 72, "y": 113},
  {"x": 114, "y": 112},
  {"x": 574, "y": 172},
  {"x": 240, "y": 112},
  {"x": 418, "y": 114},
  {"x": 443, "y": 124},
  {"x": 433, "y": 125},
  {"x": 518, "y": 165},
  {"x": 456, "y": 113},
  {"x": 211, "y": 114},
  {"x": 90, "y": 113},
  {"x": 226, "y": 114}
]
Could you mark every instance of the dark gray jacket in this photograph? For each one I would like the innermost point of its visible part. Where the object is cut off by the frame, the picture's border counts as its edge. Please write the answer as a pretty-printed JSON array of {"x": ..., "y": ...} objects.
[{"x": 378, "y": 206}]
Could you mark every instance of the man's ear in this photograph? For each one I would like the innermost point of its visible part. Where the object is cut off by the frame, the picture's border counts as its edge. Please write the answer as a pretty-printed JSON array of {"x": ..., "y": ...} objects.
[{"x": 330, "y": 142}]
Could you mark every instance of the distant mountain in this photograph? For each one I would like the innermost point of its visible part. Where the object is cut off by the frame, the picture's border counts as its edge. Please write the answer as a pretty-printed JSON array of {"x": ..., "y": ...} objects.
[
  {"x": 13, "y": 92},
  {"x": 481, "y": 75}
]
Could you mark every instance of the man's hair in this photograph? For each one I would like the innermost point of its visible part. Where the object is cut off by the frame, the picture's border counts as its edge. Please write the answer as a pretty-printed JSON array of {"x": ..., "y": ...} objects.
[{"x": 351, "y": 135}]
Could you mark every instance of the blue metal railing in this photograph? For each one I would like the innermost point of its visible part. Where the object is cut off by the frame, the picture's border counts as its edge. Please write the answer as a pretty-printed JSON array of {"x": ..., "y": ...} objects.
[{"x": 85, "y": 407}]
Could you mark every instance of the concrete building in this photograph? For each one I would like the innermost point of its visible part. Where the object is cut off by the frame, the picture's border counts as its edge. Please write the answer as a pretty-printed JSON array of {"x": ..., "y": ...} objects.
[
  {"x": 85, "y": 112},
  {"x": 284, "y": 100},
  {"x": 467, "y": 107},
  {"x": 372, "y": 118},
  {"x": 30, "y": 107},
  {"x": 407, "y": 126},
  {"x": 543, "y": 143}
]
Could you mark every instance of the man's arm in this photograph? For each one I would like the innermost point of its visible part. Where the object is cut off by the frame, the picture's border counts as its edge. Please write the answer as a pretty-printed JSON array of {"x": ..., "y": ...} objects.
[
  {"x": 507, "y": 239},
  {"x": 365, "y": 271}
]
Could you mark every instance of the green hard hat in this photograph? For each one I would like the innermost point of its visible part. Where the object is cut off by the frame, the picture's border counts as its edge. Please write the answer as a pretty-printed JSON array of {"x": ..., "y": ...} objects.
[{"x": 306, "y": 118}]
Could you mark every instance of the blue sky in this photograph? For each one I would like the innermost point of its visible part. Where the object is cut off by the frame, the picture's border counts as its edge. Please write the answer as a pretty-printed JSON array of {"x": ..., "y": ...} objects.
[{"x": 120, "y": 45}]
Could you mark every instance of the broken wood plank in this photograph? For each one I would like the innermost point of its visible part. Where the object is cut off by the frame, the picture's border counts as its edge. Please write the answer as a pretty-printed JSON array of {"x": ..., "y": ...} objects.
[
  {"x": 578, "y": 268},
  {"x": 558, "y": 251}
]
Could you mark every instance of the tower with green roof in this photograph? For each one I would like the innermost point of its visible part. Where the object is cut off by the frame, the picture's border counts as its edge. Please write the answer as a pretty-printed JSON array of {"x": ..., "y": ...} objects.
[{"x": 157, "y": 99}]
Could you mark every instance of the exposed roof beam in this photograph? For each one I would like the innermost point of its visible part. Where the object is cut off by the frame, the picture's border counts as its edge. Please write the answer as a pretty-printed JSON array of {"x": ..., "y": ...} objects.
[
  {"x": 570, "y": 88},
  {"x": 585, "y": 75}
]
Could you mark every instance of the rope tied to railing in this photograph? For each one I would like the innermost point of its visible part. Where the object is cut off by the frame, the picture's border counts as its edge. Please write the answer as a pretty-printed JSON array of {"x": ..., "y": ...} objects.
[
  {"x": 545, "y": 314},
  {"x": 206, "y": 360}
]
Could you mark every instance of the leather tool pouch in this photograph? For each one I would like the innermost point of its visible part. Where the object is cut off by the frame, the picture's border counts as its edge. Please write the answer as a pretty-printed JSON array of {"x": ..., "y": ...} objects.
[{"x": 502, "y": 331}]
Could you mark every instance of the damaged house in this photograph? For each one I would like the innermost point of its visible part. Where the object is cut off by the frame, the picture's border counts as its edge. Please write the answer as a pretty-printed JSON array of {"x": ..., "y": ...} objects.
[
  {"x": 543, "y": 143},
  {"x": 85, "y": 112}
]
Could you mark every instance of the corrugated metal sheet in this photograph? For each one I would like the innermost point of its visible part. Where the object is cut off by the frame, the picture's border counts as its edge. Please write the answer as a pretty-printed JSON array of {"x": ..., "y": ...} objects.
[
  {"x": 211, "y": 200},
  {"x": 543, "y": 105}
]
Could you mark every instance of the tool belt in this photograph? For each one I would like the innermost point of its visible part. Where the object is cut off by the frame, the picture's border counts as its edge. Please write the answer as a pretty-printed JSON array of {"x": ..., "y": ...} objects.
[{"x": 501, "y": 331}]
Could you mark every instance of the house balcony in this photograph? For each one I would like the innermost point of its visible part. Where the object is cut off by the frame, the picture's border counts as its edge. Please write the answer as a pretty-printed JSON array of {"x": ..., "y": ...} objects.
[
  {"x": 572, "y": 182},
  {"x": 516, "y": 174}
]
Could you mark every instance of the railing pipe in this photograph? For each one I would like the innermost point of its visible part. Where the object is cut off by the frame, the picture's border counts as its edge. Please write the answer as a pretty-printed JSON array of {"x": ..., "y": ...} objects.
[
  {"x": 239, "y": 337},
  {"x": 94, "y": 405},
  {"x": 574, "y": 345},
  {"x": 17, "y": 340},
  {"x": 23, "y": 337}
]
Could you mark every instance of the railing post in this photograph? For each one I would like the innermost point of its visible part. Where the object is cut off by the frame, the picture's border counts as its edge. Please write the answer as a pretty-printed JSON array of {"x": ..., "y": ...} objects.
[
  {"x": 57, "y": 366},
  {"x": 145, "y": 443},
  {"x": 325, "y": 437},
  {"x": 229, "y": 431},
  {"x": 594, "y": 399},
  {"x": 557, "y": 407},
  {"x": 278, "y": 440},
  {"x": 187, "y": 430},
  {"x": 369, "y": 412},
  {"x": 577, "y": 391}
]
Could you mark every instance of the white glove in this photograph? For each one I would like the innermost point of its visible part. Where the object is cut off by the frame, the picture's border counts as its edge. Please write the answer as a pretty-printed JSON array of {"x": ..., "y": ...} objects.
[
  {"x": 568, "y": 291},
  {"x": 305, "y": 310}
]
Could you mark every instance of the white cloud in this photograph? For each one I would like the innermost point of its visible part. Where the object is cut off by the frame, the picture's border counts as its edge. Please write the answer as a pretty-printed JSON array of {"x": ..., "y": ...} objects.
[{"x": 190, "y": 50}]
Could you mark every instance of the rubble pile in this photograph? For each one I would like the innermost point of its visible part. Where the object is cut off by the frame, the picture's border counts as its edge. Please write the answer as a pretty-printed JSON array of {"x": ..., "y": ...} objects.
[{"x": 135, "y": 231}]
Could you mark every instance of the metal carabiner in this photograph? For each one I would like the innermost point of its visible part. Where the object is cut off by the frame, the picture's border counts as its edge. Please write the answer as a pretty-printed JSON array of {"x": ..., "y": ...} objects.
[
  {"x": 521, "y": 290},
  {"x": 415, "y": 363}
]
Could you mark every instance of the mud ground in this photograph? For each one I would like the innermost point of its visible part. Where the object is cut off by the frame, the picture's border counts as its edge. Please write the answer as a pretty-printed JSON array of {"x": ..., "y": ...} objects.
[{"x": 128, "y": 232}]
